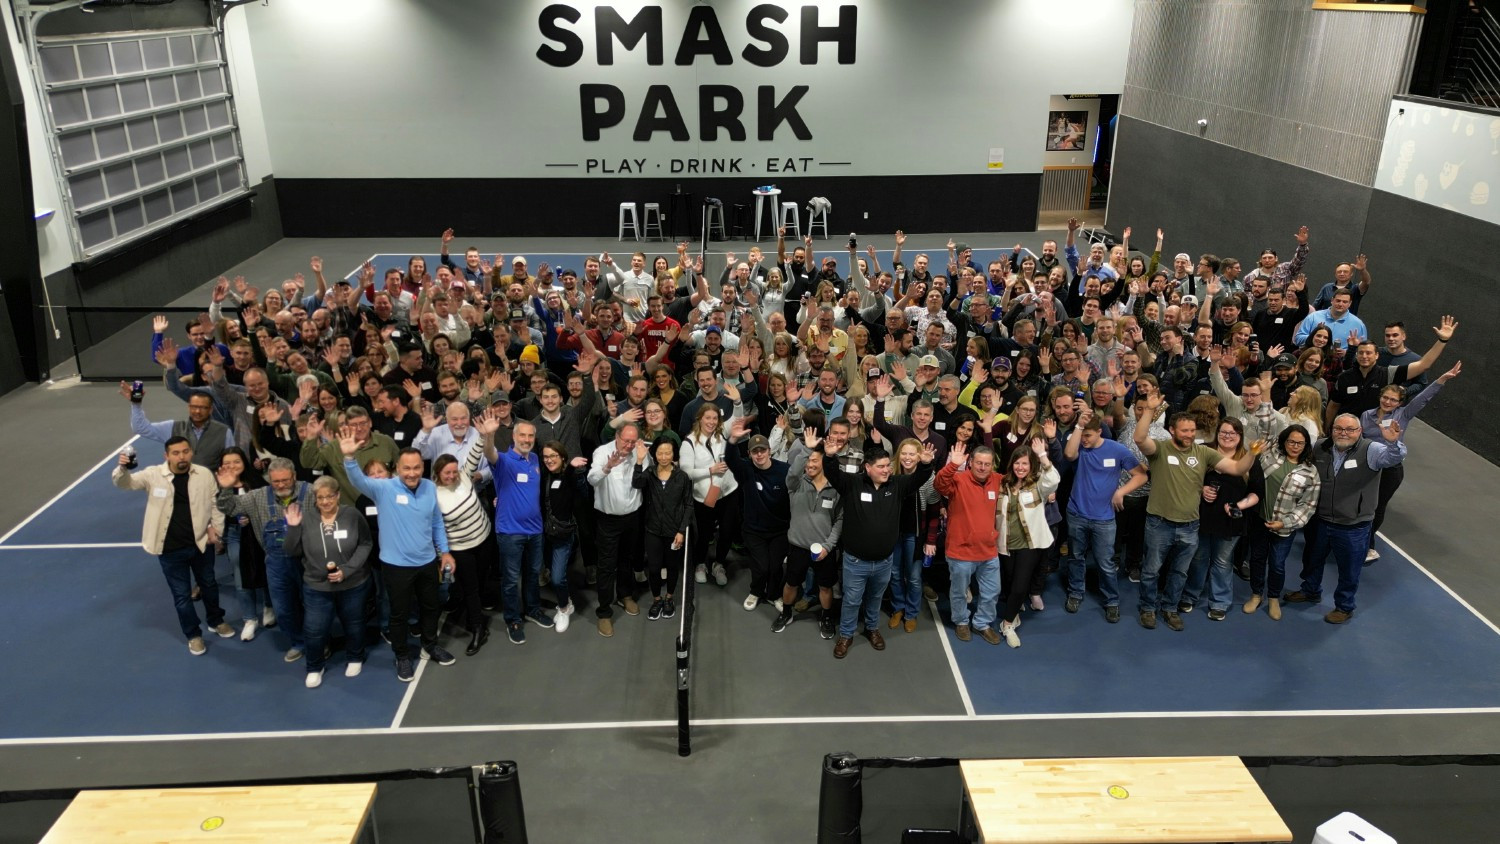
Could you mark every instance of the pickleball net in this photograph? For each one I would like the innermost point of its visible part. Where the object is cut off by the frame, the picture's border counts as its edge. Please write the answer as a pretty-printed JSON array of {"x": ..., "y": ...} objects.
[{"x": 685, "y": 618}]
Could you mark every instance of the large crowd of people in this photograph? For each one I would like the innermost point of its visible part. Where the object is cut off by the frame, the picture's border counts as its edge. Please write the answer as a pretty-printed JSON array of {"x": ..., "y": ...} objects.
[{"x": 482, "y": 437}]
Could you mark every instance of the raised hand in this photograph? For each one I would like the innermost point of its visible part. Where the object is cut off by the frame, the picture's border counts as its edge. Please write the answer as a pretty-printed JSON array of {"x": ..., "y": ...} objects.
[
  {"x": 240, "y": 285},
  {"x": 293, "y": 514},
  {"x": 269, "y": 414},
  {"x": 1085, "y": 415},
  {"x": 898, "y": 370},
  {"x": 411, "y": 388},
  {"x": 221, "y": 289},
  {"x": 642, "y": 449},
  {"x": 1073, "y": 224},
  {"x": 315, "y": 427},
  {"x": 729, "y": 258},
  {"x": 732, "y": 392},
  {"x": 1126, "y": 233},
  {"x": 348, "y": 443},
  {"x": 1049, "y": 429},
  {"x": 1160, "y": 236},
  {"x": 900, "y": 237},
  {"x": 1445, "y": 331},
  {"x": 331, "y": 357},
  {"x": 429, "y": 416},
  {"x": 929, "y": 452},
  {"x": 738, "y": 427},
  {"x": 1447, "y": 376},
  {"x": 316, "y": 264},
  {"x": 792, "y": 393},
  {"x": 810, "y": 438},
  {"x": 227, "y": 477},
  {"x": 1302, "y": 235},
  {"x": 1392, "y": 432},
  {"x": 447, "y": 236},
  {"x": 958, "y": 454},
  {"x": 167, "y": 354},
  {"x": 487, "y": 423},
  {"x": 951, "y": 245},
  {"x": 1361, "y": 262},
  {"x": 1039, "y": 448},
  {"x": 159, "y": 324},
  {"x": 1275, "y": 351}
]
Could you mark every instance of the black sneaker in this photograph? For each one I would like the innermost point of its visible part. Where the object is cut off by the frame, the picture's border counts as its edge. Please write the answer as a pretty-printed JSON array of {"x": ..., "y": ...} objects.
[
  {"x": 1242, "y": 572},
  {"x": 1134, "y": 575},
  {"x": 1184, "y": 607},
  {"x": 825, "y": 625},
  {"x": 656, "y": 609},
  {"x": 517, "y": 633},
  {"x": 783, "y": 619},
  {"x": 1216, "y": 615},
  {"x": 438, "y": 655},
  {"x": 385, "y": 634},
  {"x": 1112, "y": 615},
  {"x": 540, "y": 619},
  {"x": 1073, "y": 603},
  {"x": 1174, "y": 621},
  {"x": 404, "y": 670},
  {"x": 669, "y": 608},
  {"x": 1148, "y": 619}
]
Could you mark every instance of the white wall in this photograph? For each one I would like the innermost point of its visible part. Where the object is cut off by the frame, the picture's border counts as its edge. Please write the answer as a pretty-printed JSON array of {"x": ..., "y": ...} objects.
[
  {"x": 53, "y": 240},
  {"x": 246, "y": 90},
  {"x": 454, "y": 88}
]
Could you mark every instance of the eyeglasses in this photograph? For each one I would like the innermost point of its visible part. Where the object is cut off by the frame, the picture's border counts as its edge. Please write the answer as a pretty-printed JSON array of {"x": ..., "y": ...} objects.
[
  {"x": 1230, "y": 434},
  {"x": 1345, "y": 429}
]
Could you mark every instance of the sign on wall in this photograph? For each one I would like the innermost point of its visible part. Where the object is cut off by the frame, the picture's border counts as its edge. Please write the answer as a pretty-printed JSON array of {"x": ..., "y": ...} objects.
[
  {"x": 1443, "y": 156},
  {"x": 675, "y": 88}
]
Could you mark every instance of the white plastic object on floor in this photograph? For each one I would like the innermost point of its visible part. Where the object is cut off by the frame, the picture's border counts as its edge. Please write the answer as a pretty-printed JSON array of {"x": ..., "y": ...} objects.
[{"x": 1349, "y": 828}]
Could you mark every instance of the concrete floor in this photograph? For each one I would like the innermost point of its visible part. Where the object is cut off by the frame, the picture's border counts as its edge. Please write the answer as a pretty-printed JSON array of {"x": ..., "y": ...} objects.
[{"x": 758, "y": 779}]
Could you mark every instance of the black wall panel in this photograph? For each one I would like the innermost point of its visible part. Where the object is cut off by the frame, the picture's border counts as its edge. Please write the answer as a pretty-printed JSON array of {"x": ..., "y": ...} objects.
[
  {"x": 589, "y": 207},
  {"x": 1213, "y": 198}
]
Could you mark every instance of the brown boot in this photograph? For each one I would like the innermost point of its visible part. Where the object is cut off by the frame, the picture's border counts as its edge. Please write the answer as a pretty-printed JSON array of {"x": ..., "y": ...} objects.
[
  {"x": 876, "y": 641},
  {"x": 963, "y": 633},
  {"x": 1254, "y": 604},
  {"x": 896, "y": 619},
  {"x": 1274, "y": 610},
  {"x": 841, "y": 647},
  {"x": 606, "y": 628}
]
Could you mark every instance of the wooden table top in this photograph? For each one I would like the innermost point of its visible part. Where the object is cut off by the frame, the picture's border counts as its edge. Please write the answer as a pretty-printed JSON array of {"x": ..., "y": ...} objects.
[
  {"x": 1113, "y": 801},
  {"x": 306, "y": 814}
]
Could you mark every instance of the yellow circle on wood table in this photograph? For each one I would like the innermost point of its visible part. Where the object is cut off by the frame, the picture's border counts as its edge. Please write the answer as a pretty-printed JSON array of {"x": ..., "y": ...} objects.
[
  {"x": 1118, "y": 792},
  {"x": 211, "y": 824}
]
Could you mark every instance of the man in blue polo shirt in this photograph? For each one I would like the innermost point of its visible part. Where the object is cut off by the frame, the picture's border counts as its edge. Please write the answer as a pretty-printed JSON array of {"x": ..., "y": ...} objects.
[
  {"x": 413, "y": 546},
  {"x": 1097, "y": 495},
  {"x": 1339, "y": 320},
  {"x": 518, "y": 529}
]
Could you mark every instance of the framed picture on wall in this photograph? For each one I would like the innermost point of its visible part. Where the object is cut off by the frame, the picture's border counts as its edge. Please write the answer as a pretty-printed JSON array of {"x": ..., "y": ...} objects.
[{"x": 1066, "y": 130}]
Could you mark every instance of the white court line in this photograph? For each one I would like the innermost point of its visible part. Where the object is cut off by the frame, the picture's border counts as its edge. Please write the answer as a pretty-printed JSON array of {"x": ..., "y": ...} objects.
[
  {"x": 1454, "y": 595},
  {"x": 411, "y": 688},
  {"x": 114, "y": 455},
  {"x": 70, "y": 547},
  {"x": 958, "y": 676},
  {"x": 472, "y": 729}
]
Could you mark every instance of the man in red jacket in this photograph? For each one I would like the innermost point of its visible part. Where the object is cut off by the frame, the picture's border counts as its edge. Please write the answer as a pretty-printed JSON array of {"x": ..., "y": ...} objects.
[{"x": 972, "y": 537}]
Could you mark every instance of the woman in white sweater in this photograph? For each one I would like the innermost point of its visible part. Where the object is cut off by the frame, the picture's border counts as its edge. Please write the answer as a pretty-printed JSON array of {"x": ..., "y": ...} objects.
[
  {"x": 471, "y": 538},
  {"x": 1021, "y": 517},
  {"x": 716, "y": 504}
]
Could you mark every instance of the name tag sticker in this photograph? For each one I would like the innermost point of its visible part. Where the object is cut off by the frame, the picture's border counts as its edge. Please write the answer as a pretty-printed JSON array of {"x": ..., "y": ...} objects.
[
  {"x": 341, "y": 534},
  {"x": 557, "y": 484},
  {"x": 851, "y": 469},
  {"x": 991, "y": 494},
  {"x": 522, "y": 477},
  {"x": 1278, "y": 320},
  {"x": 1015, "y": 353},
  {"x": 426, "y": 385},
  {"x": 159, "y": 492},
  {"x": 1028, "y": 497},
  {"x": 1351, "y": 464},
  {"x": 372, "y": 511},
  {"x": 1172, "y": 460},
  {"x": 613, "y": 348},
  {"x": 317, "y": 472},
  {"x": 828, "y": 504},
  {"x": 865, "y": 496},
  {"x": 759, "y": 486},
  {"x": 401, "y": 499},
  {"x": 941, "y": 426},
  {"x": 398, "y": 436},
  {"x": 1109, "y": 462}
]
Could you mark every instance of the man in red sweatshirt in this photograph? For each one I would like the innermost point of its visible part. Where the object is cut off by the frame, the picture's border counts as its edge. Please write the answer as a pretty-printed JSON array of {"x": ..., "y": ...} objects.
[{"x": 972, "y": 537}]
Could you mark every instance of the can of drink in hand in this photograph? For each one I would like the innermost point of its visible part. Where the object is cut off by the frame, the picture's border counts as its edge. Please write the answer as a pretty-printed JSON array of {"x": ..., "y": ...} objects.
[
  {"x": 129, "y": 451},
  {"x": 447, "y": 576}
]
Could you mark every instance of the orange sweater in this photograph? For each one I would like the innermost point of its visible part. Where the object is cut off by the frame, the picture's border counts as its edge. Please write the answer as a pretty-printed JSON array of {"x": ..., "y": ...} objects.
[{"x": 972, "y": 535}]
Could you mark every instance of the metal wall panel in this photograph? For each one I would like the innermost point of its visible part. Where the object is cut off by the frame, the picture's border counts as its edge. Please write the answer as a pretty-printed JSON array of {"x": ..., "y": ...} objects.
[
  {"x": 1272, "y": 77},
  {"x": 1066, "y": 188}
]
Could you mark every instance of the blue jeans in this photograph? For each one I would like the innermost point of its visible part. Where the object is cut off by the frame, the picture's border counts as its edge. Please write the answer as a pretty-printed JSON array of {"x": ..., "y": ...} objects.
[
  {"x": 520, "y": 572},
  {"x": 1090, "y": 539},
  {"x": 906, "y": 577},
  {"x": 863, "y": 580},
  {"x": 317, "y": 622},
  {"x": 560, "y": 553},
  {"x": 251, "y": 600},
  {"x": 1348, "y": 543},
  {"x": 1170, "y": 544},
  {"x": 1212, "y": 564},
  {"x": 284, "y": 579},
  {"x": 987, "y": 572},
  {"x": 181, "y": 568}
]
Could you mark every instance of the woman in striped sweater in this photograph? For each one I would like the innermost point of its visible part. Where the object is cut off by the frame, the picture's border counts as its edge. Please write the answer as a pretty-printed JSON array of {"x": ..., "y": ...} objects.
[{"x": 471, "y": 538}]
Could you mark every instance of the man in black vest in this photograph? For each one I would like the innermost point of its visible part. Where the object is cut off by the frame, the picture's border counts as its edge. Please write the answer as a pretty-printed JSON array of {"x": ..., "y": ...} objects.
[
  {"x": 1349, "y": 467},
  {"x": 207, "y": 437}
]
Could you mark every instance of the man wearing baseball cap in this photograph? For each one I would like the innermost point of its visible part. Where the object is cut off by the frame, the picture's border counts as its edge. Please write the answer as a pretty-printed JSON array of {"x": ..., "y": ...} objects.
[{"x": 768, "y": 513}]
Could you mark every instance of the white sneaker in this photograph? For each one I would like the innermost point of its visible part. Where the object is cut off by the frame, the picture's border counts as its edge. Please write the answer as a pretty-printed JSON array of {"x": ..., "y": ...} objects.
[
  {"x": 568, "y": 610},
  {"x": 268, "y": 617},
  {"x": 700, "y": 574},
  {"x": 248, "y": 634},
  {"x": 751, "y": 602},
  {"x": 778, "y": 605},
  {"x": 1009, "y": 633},
  {"x": 315, "y": 678},
  {"x": 560, "y": 620},
  {"x": 720, "y": 577},
  {"x": 1372, "y": 555},
  {"x": 353, "y": 669}
]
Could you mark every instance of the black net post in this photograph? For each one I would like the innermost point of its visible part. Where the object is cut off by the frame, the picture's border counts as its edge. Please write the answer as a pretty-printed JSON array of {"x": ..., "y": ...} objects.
[
  {"x": 684, "y": 731},
  {"x": 500, "y": 807},
  {"x": 840, "y": 799},
  {"x": 684, "y": 646}
]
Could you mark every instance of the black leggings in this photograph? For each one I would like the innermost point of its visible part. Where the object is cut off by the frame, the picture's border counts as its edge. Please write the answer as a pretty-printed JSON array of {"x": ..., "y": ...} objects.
[
  {"x": 725, "y": 515},
  {"x": 1390, "y": 481},
  {"x": 659, "y": 557},
  {"x": 468, "y": 574},
  {"x": 1019, "y": 566},
  {"x": 767, "y": 558}
]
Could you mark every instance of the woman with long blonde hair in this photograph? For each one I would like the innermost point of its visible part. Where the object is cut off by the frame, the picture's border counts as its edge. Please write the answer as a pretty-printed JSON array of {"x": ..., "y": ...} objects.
[
  {"x": 716, "y": 502},
  {"x": 1305, "y": 408}
]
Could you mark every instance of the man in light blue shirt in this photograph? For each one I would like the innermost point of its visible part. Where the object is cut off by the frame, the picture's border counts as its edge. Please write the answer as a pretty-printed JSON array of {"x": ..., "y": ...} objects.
[
  {"x": 1338, "y": 319},
  {"x": 413, "y": 546}
]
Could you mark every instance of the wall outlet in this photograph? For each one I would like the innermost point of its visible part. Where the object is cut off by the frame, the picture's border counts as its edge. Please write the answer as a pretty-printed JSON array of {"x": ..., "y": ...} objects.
[{"x": 867, "y": 215}]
